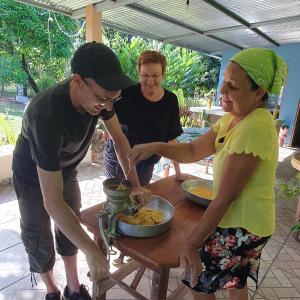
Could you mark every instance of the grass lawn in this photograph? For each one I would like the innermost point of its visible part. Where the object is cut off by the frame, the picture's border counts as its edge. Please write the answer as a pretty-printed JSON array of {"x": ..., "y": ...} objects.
[{"x": 15, "y": 113}]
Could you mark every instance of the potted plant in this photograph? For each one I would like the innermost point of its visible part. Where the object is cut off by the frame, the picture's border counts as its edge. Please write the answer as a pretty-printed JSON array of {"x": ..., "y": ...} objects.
[{"x": 8, "y": 139}]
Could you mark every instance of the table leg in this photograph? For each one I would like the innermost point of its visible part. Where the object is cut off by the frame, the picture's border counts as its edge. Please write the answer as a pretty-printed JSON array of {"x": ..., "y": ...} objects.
[
  {"x": 95, "y": 286},
  {"x": 160, "y": 282},
  {"x": 96, "y": 292},
  {"x": 138, "y": 277}
]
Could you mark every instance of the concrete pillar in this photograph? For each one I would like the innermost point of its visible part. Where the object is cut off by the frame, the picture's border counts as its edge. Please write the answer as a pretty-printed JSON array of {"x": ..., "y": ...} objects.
[{"x": 93, "y": 24}]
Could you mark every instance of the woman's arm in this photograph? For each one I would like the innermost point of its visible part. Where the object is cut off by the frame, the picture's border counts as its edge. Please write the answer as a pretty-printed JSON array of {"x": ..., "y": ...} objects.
[{"x": 182, "y": 153}]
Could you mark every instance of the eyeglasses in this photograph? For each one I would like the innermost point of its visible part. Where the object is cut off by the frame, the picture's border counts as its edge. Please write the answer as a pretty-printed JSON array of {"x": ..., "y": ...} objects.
[
  {"x": 104, "y": 101},
  {"x": 147, "y": 76}
]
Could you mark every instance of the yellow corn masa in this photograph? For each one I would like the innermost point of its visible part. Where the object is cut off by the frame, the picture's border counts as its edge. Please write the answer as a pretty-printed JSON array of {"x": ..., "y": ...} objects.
[
  {"x": 202, "y": 192},
  {"x": 122, "y": 187},
  {"x": 145, "y": 216}
]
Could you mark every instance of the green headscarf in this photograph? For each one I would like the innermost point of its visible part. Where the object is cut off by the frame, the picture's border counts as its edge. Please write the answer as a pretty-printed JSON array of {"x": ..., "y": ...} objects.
[{"x": 264, "y": 66}]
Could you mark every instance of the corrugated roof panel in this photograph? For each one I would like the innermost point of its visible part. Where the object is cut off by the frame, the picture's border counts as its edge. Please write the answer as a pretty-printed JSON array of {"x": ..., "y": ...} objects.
[
  {"x": 284, "y": 33},
  {"x": 262, "y": 10},
  {"x": 202, "y": 43},
  {"x": 158, "y": 18},
  {"x": 82, "y": 3},
  {"x": 244, "y": 37},
  {"x": 198, "y": 13},
  {"x": 142, "y": 22}
]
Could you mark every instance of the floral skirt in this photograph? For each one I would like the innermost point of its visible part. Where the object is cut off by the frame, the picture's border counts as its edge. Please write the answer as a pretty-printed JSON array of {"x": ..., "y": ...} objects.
[{"x": 229, "y": 256}]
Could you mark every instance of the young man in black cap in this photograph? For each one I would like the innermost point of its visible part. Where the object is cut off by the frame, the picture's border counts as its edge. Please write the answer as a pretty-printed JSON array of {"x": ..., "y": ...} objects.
[{"x": 56, "y": 133}]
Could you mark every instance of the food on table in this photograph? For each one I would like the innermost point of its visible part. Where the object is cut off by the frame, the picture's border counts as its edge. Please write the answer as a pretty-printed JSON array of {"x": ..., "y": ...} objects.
[
  {"x": 202, "y": 192},
  {"x": 144, "y": 216}
]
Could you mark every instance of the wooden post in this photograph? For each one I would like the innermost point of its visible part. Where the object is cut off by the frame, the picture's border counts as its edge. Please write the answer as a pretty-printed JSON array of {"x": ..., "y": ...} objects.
[{"x": 93, "y": 24}]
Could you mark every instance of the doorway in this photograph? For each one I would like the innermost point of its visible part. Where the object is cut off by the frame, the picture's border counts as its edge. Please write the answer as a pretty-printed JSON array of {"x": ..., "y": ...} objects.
[{"x": 295, "y": 137}]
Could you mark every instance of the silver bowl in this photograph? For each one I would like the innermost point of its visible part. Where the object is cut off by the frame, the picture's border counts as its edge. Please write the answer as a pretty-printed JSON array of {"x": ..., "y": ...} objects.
[
  {"x": 189, "y": 184},
  {"x": 155, "y": 202}
]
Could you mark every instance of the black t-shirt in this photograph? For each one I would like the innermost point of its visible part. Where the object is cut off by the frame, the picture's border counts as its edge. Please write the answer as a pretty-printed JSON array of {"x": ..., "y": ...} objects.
[
  {"x": 54, "y": 135},
  {"x": 144, "y": 121}
]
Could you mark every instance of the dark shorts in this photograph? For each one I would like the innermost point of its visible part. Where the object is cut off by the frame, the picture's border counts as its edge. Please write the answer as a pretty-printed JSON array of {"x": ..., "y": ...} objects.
[
  {"x": 35, "y": 224},
  {"x": 229, "y": 256},
  {"x": 114, "y": 170}
]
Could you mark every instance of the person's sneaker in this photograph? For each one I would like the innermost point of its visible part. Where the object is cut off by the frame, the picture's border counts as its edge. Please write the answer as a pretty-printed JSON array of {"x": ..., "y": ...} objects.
[
  {"x": 53, "y": 296},
  {"x": 82, "y": 295}
]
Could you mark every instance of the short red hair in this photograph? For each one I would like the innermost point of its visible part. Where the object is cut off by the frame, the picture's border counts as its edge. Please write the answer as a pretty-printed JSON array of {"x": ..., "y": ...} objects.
[{"x": 152, "y": 57}]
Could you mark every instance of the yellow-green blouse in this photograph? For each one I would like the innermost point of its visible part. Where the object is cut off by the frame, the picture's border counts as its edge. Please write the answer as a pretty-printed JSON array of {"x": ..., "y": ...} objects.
[{"x": 254, "y": 209}]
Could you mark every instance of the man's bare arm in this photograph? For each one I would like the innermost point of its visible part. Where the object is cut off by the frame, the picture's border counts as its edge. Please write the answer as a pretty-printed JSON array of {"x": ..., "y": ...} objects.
[{"x": 52, "y": 188}]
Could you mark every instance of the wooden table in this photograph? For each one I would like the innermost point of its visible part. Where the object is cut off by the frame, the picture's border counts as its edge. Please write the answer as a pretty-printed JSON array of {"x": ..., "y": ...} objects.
[{"x": 158, "y": 253}]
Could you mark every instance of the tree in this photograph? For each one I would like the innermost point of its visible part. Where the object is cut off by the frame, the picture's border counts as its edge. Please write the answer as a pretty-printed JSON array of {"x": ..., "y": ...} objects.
[
  {"x": 34, "y": 41},
  {"x": 188, "y": 70}
]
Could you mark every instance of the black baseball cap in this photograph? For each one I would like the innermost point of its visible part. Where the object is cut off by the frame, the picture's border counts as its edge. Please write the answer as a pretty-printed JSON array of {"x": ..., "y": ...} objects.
[{"x": 99, "y": 62}]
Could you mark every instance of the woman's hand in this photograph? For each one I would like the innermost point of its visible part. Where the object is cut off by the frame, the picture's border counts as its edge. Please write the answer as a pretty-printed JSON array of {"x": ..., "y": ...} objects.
[
  {"x": 191, "y": 263},
  {"x": 142, "y": 152}
]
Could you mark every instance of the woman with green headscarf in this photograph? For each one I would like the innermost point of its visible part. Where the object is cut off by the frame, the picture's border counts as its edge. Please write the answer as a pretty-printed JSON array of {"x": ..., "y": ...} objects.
[{"x": 224, "y": 249}]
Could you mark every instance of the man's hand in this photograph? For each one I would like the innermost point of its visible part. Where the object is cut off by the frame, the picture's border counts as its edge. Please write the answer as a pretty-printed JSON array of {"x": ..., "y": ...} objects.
[
  {"x": 97, "y": 264},
  {"x": 141, "y": 195},
  {"x": 191, "y": 263}
]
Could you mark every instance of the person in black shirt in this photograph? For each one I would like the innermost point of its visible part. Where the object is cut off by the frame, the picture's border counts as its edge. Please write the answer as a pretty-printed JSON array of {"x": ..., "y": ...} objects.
[
  {"x": 147, "y": 113},
  {"x": 56, "y": 133}
]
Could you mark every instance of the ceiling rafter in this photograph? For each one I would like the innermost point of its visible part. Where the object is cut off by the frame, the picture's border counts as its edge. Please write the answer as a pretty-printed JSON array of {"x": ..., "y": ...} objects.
[{"x": 275, "y": 21}]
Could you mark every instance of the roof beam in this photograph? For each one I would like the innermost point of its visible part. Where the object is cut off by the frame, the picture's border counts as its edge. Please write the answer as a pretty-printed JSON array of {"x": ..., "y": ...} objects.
[
  {"x": 275, "y": 21},
  {"x": 254, "y": 25},
  {"x": 242, "y": 21},
  {"x": 166, "y": 18}
]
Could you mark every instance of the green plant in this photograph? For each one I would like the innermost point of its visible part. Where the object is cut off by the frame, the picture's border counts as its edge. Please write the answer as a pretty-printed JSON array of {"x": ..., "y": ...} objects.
[
  {"x": 205, "y": 119},
  {"x": 34, "y": 41},
  {"x": 10, "y": 134},
  {"x": 187, "y": 69},
  {"x": 180, "y": 96},
  {"x": 296, "y": 227},
  {"x": 289, "y": 189},
  {"x": 45, "y": 81}
]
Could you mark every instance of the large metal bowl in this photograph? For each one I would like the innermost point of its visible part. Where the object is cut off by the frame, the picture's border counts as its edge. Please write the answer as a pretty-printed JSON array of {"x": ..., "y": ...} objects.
[
  {"x": 188, "y": 185},
  {"x": 155, "y": 202}
]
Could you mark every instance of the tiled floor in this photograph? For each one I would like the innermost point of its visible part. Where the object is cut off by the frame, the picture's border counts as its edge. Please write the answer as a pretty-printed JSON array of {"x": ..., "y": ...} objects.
[{"x": 280, "y": 265}]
